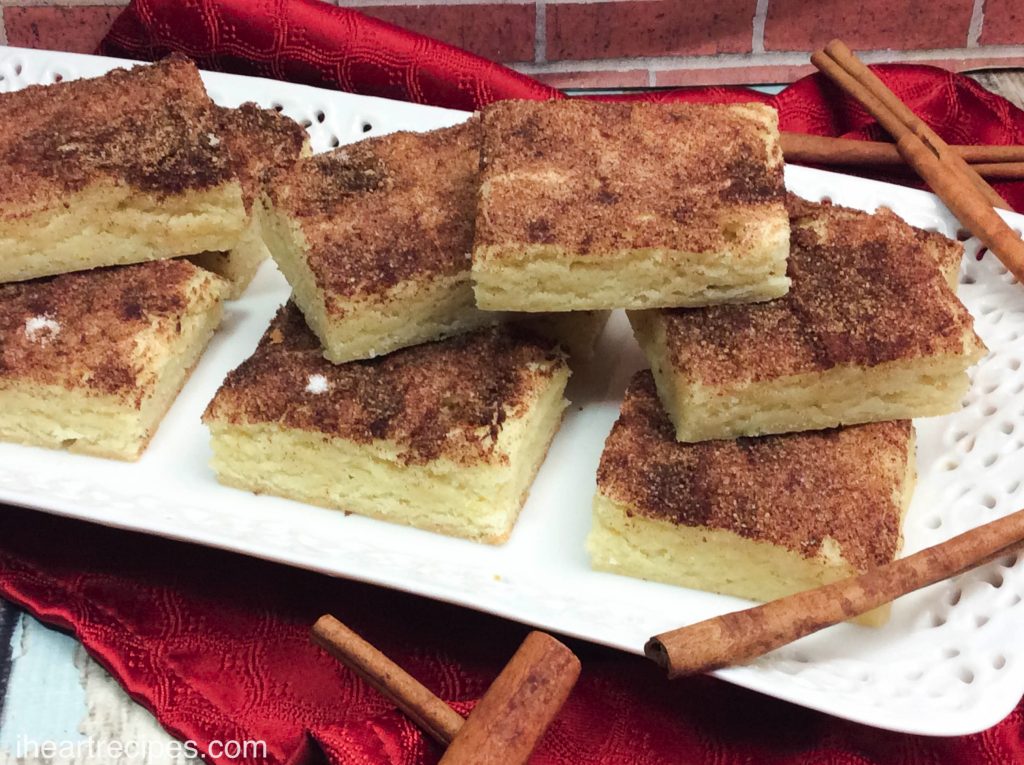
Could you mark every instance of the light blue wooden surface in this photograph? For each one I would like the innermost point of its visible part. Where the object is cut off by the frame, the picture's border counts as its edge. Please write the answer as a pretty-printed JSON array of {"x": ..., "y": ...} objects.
[
  {"x": 56, "y": 695},
  {"x": 45, "y": 699}
]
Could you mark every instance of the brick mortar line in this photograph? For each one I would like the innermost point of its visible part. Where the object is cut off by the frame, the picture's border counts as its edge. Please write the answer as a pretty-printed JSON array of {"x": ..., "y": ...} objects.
[
  {"x": 773, "y": 58},
  {"x": 3, "y": 27},
  {"x": 540, "y": 32},
  {"x": 760, "y": 19},
  {"x": 977, "y": 20}
]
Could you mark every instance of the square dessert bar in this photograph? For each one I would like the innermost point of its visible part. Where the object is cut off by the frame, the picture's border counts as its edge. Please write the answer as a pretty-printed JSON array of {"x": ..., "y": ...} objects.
[
  {"x": 445, "y": 436},
  {"x": 119, "y": 169},
  {"x": 91, "y": 361},
  {"x": 374, "y": 239},
  {"x": 260, "y": 142},
  {"x": 588, "y": 205},
  {"x": 755, "y": 518},
  {"x": 869, "y": 331}
]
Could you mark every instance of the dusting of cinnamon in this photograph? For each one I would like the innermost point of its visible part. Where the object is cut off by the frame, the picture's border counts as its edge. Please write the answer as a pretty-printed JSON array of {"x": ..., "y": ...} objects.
[
  {"x": 599, "y": 177},
  {"x": 445, "y": 399},
  {"x": 865, "y": 290},
  {"x": 149, "y": 127},
  {"x": 82, "y": 330},
  {"x": 260, "y": 142},
  {"x": 385, "y": 210},
  {"x": 771, "y": 489}
]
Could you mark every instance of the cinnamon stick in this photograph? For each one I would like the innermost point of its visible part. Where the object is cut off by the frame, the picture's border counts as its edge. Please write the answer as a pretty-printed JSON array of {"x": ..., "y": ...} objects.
[
  {"x": 824, "y": 150},
  {"x": 960, "y": 195},
  {"x": 741, "y": 636},
  {"x": 841, "y": 54},
  {"x": 429, "y": 712},
  {"x": 1000, "y": 171},
  {"x": 508, "y": 722}
]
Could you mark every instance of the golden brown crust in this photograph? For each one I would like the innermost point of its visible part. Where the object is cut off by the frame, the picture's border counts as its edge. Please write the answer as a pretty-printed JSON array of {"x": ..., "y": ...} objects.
[
  {"x": 600, "y": 177},
  {"x": 82, "y": 330},
  {"x": 385, "y": 210},
  {"x": 864, "y": 291},
  {"x": 790, "y": 490},
  {"x": 151, "y": 127},
  {"x": 260, "y": 142},
  {"x": 445, "y": 399},
  {"x": 947, "y": 253}
]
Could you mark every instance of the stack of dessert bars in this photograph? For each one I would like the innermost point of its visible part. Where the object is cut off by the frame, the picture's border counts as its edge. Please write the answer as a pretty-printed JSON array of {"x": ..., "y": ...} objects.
[
  {"x": 443, "y": 284},
  {"x": 126, "y": 219}
]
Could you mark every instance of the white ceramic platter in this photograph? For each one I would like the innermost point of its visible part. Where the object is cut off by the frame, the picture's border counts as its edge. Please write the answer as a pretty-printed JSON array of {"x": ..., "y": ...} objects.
[{"x": 951, "y": 661}]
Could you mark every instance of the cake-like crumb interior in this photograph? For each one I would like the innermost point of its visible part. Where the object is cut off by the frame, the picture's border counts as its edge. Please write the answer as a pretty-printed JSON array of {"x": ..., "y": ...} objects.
[
  {"x": 870, "y": 331},
  {"x": 109, "y": 401},
  {"x": 842, "y": 395},
  {"x": 107, "y": 225},
  {"x": 542, "y": 278},
  {"x": 444, "y": 436},
  {"x": 755, "y": 518}
]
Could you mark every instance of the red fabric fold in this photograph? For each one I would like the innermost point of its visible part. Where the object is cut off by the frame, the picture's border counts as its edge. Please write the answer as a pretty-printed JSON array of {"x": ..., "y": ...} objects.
[
  {"x": 216, "y": 644},
  {"x": 317, "y": 44},
  {"x": 310, "y": 42}
]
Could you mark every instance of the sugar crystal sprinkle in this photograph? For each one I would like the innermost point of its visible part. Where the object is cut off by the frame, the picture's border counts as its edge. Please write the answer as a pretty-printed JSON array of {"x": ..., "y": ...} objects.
[
  {"x": 316, "y": 384},
  {"x": 41, "y": 329}
]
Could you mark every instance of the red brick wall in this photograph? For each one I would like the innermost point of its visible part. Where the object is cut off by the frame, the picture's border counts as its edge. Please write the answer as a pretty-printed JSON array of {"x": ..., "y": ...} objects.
[{"x": 639, "y": 43}]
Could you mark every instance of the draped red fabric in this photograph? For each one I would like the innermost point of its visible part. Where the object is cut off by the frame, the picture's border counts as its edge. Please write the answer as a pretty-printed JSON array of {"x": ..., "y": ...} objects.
[
  {"x": 216, "y": 644},
  {"x": 314, "y": 43}
]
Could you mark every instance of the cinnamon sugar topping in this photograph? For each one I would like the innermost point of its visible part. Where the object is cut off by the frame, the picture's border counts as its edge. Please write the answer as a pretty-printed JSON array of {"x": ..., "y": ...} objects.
[
  {"x": 84, "y": 330},
  {"x": 599, "y": 177},
  {"x": 445, "y": 399},
  {"x": 260, "y": 143},
  {"x": 146, "y": 127},
  {"x": 792, "y": 490},
  {"x": 865, "y": 290},
  {"x": 385, "y": 210}
]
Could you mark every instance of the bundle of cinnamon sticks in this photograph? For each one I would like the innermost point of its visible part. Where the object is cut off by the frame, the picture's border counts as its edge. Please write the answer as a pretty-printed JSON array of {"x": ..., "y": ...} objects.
[
  {"x": 991, "y": 162},
  {"x": 967, "y": 195}
]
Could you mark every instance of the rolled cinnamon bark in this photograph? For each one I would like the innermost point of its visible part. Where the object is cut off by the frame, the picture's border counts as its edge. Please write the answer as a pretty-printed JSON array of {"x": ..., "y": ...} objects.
[
  {"x": 846, "y": 58},
  {"x": 429, "y": 712},
  {"x": 508, "y": 722},
  {"x": 739, "y": 637},
  {"x": 957, "y": 190},
  {"x": 824, "y": 150},
  {"x": 1000, "y": 171}
]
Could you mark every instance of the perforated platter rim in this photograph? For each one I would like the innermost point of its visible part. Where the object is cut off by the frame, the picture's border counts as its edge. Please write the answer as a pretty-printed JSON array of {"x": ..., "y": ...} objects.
[{"x": 950, "y": 662}]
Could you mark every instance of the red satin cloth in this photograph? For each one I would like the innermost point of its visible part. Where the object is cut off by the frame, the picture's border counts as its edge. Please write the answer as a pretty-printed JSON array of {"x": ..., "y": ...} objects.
[
  {"x": 310, "y": 42},
  {"x": 216, "y": 645}
]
